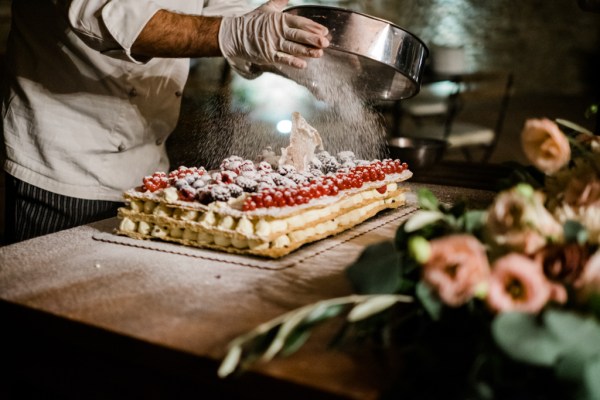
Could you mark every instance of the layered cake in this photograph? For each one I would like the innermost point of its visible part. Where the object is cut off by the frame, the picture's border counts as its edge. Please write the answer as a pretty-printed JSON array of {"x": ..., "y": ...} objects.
[{"x": 268, "y": 207}]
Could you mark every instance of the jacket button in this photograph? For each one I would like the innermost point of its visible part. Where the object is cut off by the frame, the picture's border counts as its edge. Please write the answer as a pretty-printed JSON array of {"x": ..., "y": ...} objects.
[
  {"x": 179, "y": 93},
  {"x": 121, "y": 147},
  {"x": 159, "y": 141},
  {"x": 133, "y": 92}
]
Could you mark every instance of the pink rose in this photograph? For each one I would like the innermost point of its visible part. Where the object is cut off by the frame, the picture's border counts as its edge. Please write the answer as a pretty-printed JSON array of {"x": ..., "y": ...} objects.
[
  {"x": 589, "y": 280},
  {"x": 545, "y": 145},
  {"x": 518, "y": 283},
  {"x": 458, "y": 263}
]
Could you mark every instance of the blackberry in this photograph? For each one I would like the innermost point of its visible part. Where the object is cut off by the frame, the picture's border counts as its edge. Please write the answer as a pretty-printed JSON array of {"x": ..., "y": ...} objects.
[
  {"x": 234, "y": 190},
  {"x": 330, "y": 165},
  {"x": 267, "y": 179},
  {"x": 323, "y": 155},
  {"x": 251, "y": 174},
  {"x": 286, "y": 182},
  {"x": 315, "y": 163},
  {"x": 204, "y": 195},
  {"x": 344, "y": 156},
  {"x": 247, "y": 184},
  {"x": 199, "y": 183},
  {"x": 220, "y": 193},
  {"x": 298, "y": 178},
  {"x": 286, "y": 169},
  {"x": 191, "y": 178},
  {"x": 181, "y": 183},
  {"x": 316, "y": 172}
]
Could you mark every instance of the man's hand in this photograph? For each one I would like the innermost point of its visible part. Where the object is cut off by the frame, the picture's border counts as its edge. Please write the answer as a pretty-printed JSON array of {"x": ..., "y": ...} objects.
[{"x": 266, "y": 36}]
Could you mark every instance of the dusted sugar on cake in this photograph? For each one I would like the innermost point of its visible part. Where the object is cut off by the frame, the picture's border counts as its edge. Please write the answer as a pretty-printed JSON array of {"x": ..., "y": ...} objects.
[{"x": 268, "y": 207}]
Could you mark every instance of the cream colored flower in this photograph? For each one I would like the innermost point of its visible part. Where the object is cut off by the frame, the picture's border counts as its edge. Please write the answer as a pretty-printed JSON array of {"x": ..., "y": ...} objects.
[
  {"x": 545, "y": 145},
  {"x": 589, "y": 281},
  {"x": 457, "y": 266},
  {"x": 518, "y": 283},
  {"x": 518, "y": 220}
]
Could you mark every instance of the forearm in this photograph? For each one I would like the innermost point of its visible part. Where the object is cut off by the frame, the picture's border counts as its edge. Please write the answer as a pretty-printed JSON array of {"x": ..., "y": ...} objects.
[{"x": 168, "y": 34}]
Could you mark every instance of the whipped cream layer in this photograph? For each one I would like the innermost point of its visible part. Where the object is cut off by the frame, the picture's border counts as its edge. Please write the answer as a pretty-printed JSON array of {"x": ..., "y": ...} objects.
[{"x": 262, "y": 236}]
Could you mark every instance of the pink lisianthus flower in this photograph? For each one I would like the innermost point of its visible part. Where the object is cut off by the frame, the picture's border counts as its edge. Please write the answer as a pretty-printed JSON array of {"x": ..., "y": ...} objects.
[
  {"x": 518, "y": 283},
  {"x": 545, "y": 145},
  {"x": 455, "y": 268}
]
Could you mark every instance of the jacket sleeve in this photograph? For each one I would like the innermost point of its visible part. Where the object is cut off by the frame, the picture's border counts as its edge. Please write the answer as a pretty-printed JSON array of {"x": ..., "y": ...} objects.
[
  {"x": 227, "y": 7},
  {"x": 110, "y": 26}
]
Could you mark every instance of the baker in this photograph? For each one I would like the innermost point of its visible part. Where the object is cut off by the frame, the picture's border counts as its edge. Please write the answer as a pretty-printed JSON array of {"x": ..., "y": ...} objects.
[{"x": 94, "y": 89}]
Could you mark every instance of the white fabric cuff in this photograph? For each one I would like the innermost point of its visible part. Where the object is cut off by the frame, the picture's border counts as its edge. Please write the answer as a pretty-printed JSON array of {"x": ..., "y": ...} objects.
[{"x": 125, "y": 20}]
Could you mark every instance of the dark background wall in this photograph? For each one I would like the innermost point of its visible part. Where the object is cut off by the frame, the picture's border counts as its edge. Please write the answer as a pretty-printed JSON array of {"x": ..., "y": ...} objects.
[{"x": 552, "y": 46}]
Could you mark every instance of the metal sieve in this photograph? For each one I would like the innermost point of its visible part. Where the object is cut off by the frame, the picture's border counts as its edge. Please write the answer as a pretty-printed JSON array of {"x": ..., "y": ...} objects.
[{"x": 380, "y": 60}]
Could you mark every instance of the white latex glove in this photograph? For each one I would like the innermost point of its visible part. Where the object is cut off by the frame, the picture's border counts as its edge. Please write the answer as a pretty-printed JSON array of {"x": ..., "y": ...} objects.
[{"x": 268, "y": 37}]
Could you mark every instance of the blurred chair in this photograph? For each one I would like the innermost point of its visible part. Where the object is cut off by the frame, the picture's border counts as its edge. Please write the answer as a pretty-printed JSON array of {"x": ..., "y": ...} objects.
[{"x": 470, "y": 117}]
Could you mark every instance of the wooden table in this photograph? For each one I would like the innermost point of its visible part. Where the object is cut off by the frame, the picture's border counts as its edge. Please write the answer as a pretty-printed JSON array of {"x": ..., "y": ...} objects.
[{"x": 83, "y": 318}]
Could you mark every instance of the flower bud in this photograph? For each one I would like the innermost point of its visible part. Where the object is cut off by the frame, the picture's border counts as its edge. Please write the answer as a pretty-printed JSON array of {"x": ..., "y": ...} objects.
[{"x": 419, "y": 249}]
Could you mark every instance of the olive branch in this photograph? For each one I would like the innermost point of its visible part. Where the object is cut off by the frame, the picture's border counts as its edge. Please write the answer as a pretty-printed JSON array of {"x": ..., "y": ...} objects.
[{"x": 288, "y": 332}]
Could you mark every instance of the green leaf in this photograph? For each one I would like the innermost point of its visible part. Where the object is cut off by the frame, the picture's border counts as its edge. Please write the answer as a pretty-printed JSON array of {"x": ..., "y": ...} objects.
[
  {"x": 575, "y": 232},
  {"x": 377, "y": 270},
  {"x": 372, "y": 306},
  {"x": 427, "y": 200},
  {"x": 430, "y": 300},
  {"x": 591, "y": 379},
  {"x": 321, "y": 313},
  {"x": 473, "y": 221},
  {"x": 560, "y": 338},
  {"x": 421, "y": 219},
  {"x": 594, "y": 304},
  {"x": 230, "y": 362},
  {"x": 294, "y": 341},
  {"x": 524, "y": 339}
]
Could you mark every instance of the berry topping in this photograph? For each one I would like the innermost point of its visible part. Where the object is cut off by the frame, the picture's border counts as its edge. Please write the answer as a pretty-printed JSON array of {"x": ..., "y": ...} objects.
[
  {"x": 220, "y": 193},
  {"x": 247, "y": 184},
  {"x": 286, "y": 170}
]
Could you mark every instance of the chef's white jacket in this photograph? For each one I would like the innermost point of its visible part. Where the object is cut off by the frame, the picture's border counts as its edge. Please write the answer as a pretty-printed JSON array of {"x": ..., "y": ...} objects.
[{"x": 81, "y": 116}]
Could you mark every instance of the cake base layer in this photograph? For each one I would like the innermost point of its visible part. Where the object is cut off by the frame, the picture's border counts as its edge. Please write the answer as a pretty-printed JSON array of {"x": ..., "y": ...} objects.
[{"x": 277, "y": 243}]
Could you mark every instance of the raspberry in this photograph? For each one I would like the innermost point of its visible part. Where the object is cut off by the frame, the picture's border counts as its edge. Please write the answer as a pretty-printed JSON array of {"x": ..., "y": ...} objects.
[
  {"x": 264, "y": 166},
  {"x": 247, "y": 165},
  {"x": 382, "y": 189},
  {"x": 156, "y": 181},
  {"x": 187, "y": 193},
  {"x": 228, "y": 176}
]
